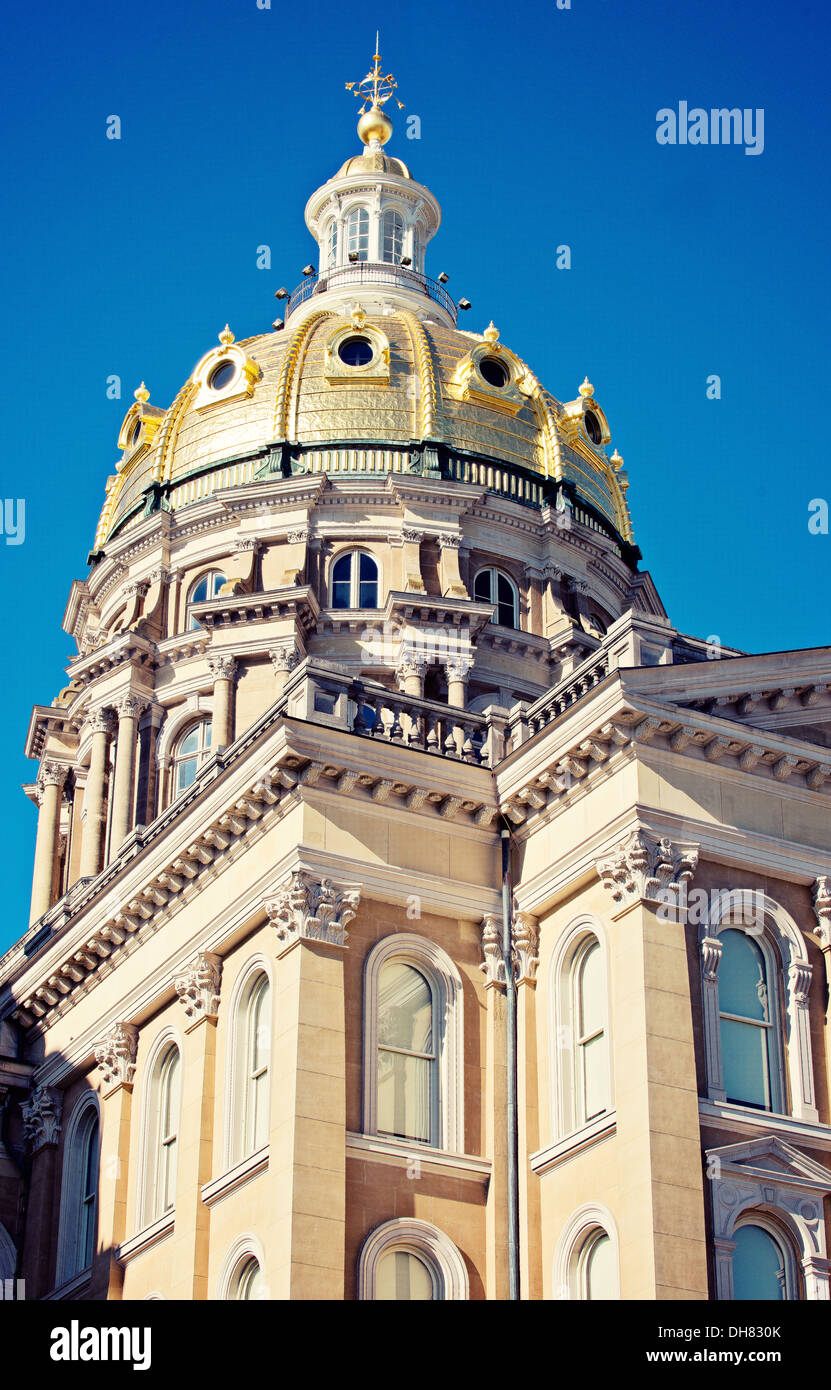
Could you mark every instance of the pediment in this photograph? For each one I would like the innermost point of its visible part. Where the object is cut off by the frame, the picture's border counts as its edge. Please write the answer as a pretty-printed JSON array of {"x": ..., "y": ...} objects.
[{"x": 772, "y": 1158}]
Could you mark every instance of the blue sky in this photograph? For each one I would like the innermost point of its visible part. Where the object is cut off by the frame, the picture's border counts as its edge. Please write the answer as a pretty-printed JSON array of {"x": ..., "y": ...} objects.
[{"x": 538, "y": 129}]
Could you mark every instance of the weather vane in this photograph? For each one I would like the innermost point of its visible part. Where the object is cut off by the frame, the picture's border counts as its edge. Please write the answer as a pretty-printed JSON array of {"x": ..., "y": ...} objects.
[{"x": 376, "y": 88}]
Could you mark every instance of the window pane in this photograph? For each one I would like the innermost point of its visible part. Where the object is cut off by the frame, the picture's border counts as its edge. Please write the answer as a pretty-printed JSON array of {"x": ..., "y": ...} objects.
[
  {"x": 741, "y": 977},
  {"x": 404, "y": 1101},
  {"x": 200, "y": 593},
  {"x": 591, "y": 992},
  {"x": 594, "y": 1076},
  {"x": 393, "y": 237},
  {"x": 405, "y": 1009},
  {"x": 600, "y": 1270},
  {"x": 482, "y": 586},
  {"x": 400, "y": 1276},
  {"x": 744, "y": 1062},
  {"x": 185, "y": 774},
  {"x": 757, "y": 1266},
  {"x": 250, "y": 1283},
  {"x": 190, "y": 742}
]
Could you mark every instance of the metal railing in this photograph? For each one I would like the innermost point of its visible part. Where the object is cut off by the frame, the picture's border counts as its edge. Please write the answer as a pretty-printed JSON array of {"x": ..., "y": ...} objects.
[{"x": 371, "y": 273}]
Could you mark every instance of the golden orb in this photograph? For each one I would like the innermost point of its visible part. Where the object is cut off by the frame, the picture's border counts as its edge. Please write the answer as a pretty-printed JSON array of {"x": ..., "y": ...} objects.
[{"x": 374, "y": 125}]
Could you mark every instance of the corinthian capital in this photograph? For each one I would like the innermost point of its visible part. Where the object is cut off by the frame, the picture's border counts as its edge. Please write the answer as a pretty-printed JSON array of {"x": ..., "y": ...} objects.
[
  {"x": 52, "y": 774},
  {"x": 129, "y": 706},
  {"x": 98, "y": 721},
  {"x": 42, "y": 1117},
  {"x": 647, "y": 868},
  {"x": 223, "y": 668},
  {"x": 458, "y": 668},
  {"x": 450, "y": 540},
  {"x": 116, "y": 1055},
  {"x": 822, "y": 908},
  {"x": 198, "y": 986},
  {"x": 284, "y": 657},
  {"x": 313, "y": 908}
]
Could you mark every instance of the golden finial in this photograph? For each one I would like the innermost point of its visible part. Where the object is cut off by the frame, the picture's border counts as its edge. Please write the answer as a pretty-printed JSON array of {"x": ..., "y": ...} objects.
[
  {"x": 373, "y": 91},
  {"x": 226, "y": 337},
  {"x": 491, "y": 333},
  {"x": 142, "y": 394},
  {"x": 586, "y": 390},
  {"x": 616, "y": 461}
]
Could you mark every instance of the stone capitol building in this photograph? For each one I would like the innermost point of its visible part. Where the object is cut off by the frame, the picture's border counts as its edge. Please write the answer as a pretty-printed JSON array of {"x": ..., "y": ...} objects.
[{"x": 416, "y": 912}]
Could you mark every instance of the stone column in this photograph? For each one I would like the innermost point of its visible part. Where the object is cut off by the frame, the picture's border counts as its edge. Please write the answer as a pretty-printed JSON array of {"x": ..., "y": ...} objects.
[
  {"x": 822, "y": 907},
  {"x": 525, "y": 956},
  {"x": 42, "y": 1131},
  {"x": 410, "y": 673},
  {"x": 449, "y": 574},
  {"x": 115, "y": 1055},
  {"x": 413, "y": 583},
  {"x": 50, "y": 784},
  {"x": 128, "y": 709},
  {"x": 496, "y": 1088},
  {"x": 534, "y": 582},
  {"x": 458, "y": 672},
  {"x": 198, "y": 990},
  {"x": 284, "y": 658},
  {"x": 95, "y": 810},
  {"x": 307, "y": 1162},
  {"x": 224, "y": 670}
]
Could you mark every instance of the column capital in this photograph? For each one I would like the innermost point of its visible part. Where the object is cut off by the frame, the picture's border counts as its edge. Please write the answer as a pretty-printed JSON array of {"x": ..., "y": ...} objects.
[
  {"x": 822, "y": 908},
  {"x": 411, "y": 535},
  {"x": 115, "y": 1055},
  {"x": 198, "y": 986},
  {"x": 458, "y": 668},
  {"x": 284, "y": 657},
  {"x": 129, "y": 706},
  {"x": 98, "y": 721},
  {"x": 306, "y": 907},
  {"x": 449, "y": 540},
  {"x": 42, "y": 1117},
  {"x": 298, "y": 536},
  {"x": 646, "y": 868},
  {"x": 52, "y": 774},
  {"x": 410, "y": 663},
  {"x": 223, "y": 668}
]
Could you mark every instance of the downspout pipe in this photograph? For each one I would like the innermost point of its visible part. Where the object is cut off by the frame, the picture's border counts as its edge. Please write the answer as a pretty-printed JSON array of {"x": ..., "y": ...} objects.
[{"x": 511, "y": 1117}]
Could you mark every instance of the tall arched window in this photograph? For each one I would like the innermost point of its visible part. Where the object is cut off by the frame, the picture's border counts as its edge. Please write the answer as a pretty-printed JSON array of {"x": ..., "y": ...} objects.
[
  {"x": 392, "y": 239},
  {"x": 763, "y": 1270},
  {"x": 413, "y": 1044},
  {"x": 251, "y": 1060},
  {"x": 494, "y": 586},
  {"x": 205, "y": 588},
  {"x": 162, "y": 1135},
  {"x": 79, "y": 1192},
  {"x": 580, "y": 1042},
  {"x": 355, "y": 581},
  {"x": 191, "y": 750},
  {"x": 746, "y": 1008},
  {"x": 357, "y": 233},
  {"x": 587, "y": 1258},
  {"x": 332, "y": 245}
]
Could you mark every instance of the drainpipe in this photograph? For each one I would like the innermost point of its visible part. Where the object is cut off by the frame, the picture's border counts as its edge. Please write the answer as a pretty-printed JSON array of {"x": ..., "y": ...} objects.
[{"x": 511, "y": 1079}]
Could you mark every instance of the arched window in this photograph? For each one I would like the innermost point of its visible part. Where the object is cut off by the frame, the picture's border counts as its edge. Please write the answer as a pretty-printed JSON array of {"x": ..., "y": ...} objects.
[
  {"x": 413, "y": 1044},
  {"x": 406, "y": 1260},
  {"x": 161, "y": 1135},
  {"x": 493, "y": 586},
  {"x": 191, "y": 750},
  {"x": 357, "y": 233},
  {"x": 745, "y": 1021},
  {"x": 763, "y": 1269},
  {"x": 587, "y": 1260},
  {"x": 205, "y": 588},
  {"x": 593, "y": 1270},
  {"x": 392, "y": 243},
  {"x": 249, "y": 1281},
  {"x": 580, "y": 1042},
  {"x": 251, "y": 1060},
  {"x": 79, "y": 1192},
  {"x": 332, "y": 245},
  {"x": 242, "y": 1276},
  {"x": 355, "y": 581}
]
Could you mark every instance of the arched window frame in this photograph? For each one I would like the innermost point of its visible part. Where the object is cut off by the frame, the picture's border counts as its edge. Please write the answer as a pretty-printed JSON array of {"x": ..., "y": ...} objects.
[
  {"x": 585, "y": 1225},
  {"x": 789, "y": 976},
  {"x": 566, "y": 963},
  {"x": 393, "y": 228},
  {"x": 496, "y": 574},
  {"x": 358, "y": 232},
  {"x": 790, "y": 1269},
  {"x": 8, "y": 1255},
  {"x": 332, "y": 243},
  {"x": 148, "y": 1202},
  {"x": 203, "y": 723},
  {"x": 256, "y": 970},
  {"x": 177, "y": 722},
  {"x": 432, "y": 1246},
  {"x": 215, "y": 579},
  {"x": 353, "y": 554},
  {"x": 244, "y": 1249},
  {"x": 446, "y": 984},
  {"x": 84, "y": 1127}
]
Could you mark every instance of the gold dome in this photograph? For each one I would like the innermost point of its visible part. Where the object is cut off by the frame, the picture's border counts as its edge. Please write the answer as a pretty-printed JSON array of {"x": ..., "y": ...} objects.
[
  {"x": 300, "y": 398},
  {"x": 373, "y": 162}
]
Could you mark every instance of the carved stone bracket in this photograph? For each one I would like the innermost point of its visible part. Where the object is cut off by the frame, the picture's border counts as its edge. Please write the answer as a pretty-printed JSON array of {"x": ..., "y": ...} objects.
[
  {"x": 313, "y": 909},
  {"x": 42, "y": 1117},
  {"x": 646, "y": 868},
  {"x": 525, "y": 936},
  {"x": 822, "y": 908},
  {"x": 116, "y": 1055},
  {"x": 493, "y": 963},
  {"x": 198, "y": 986}
]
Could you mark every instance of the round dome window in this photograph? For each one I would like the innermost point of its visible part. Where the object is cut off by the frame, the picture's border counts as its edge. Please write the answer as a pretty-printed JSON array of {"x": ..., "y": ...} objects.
[
  {"x": 135, "y": 432},
  {"x": 222, "y": 374},
  {"x": 592, "y": 425},
  {"x": 495, "y": 372},
  {"x": 356, "y": 352}
]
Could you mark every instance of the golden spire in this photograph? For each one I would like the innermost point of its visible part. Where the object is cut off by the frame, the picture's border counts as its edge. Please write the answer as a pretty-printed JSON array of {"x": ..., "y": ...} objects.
[
  {"x": 586, "y": 390},
  {"x": 142, "y": 394},
  {"x": 373, "y": 91}
]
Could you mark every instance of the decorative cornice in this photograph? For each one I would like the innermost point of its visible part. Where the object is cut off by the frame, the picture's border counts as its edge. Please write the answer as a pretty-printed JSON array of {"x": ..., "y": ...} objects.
[
  {"x": 198, "y": 986},
  {"x": 313, "y": 909},
  {"x": 42, "y": 1117},
  {"x": 647, "y": 869},
  {"x": 116, "y": 1055}
]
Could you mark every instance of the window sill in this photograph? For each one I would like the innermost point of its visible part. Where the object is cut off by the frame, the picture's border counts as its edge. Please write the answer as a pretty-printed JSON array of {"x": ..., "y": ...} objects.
[
  {"x": 151, "y": 1235},
  {"x": 603, "y": 1127},
  {"x": 70, "y": 1288},
  {"x": 373, "y": 1148},
  {"x": 725, "y": 1114},
  {"x": 235, "y": 1177}
]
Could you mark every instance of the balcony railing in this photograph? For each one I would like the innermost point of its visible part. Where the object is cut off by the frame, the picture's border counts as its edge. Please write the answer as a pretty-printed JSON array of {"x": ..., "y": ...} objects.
[{"x": 371, "y": 273}]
